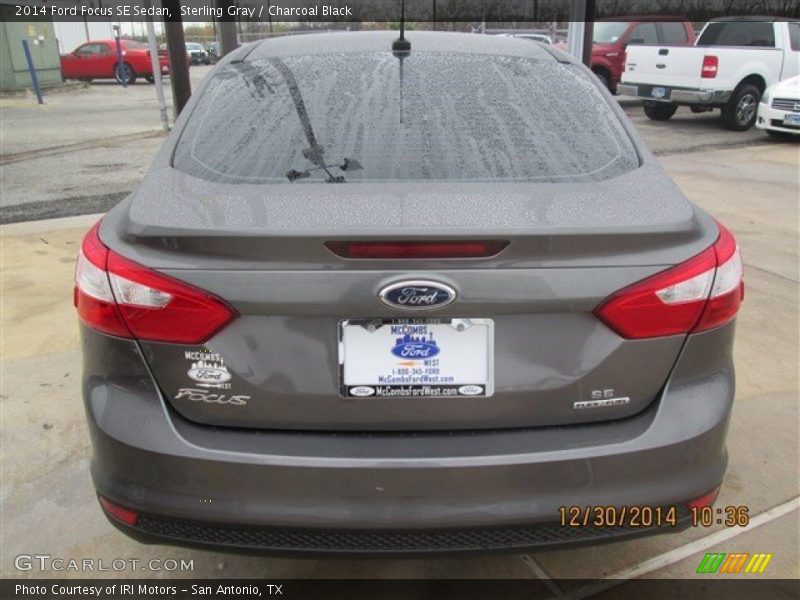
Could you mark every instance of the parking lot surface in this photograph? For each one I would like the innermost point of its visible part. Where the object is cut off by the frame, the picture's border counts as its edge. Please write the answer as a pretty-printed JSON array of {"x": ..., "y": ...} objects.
[{"x": 48, "y": 503}]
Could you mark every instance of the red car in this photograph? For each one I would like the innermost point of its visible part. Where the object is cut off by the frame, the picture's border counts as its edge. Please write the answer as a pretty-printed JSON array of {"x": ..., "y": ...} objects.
[
  {"x": 612, "y": 36},
  {"x": 98, "y": 60}
]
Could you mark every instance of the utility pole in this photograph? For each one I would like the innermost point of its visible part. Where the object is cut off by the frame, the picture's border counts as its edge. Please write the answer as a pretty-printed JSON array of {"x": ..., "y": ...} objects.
[
  {"x": 577, "y": 25},
  {"x": 227, "y": 28},
  {"x": 155, "y": 61},
  {"x": 590, "y": 16},
  {"x": 178, "y": 65}
]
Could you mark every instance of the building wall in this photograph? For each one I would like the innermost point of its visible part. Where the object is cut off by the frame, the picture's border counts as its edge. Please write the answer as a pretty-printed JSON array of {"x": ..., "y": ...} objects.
[
  {"x": 14, "y": 74},
  {"x": 71, "y": 34}
]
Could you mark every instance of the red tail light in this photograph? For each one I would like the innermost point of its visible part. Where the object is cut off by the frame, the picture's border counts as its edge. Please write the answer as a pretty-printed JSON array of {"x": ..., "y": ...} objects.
[
  {"x": 710, "y": 67},
  {"x": 120, "y": 513},
  {"x": 122, "y": 298},
  {"x": 702, "y": 293},
  {"x": 426, "y": 249}
]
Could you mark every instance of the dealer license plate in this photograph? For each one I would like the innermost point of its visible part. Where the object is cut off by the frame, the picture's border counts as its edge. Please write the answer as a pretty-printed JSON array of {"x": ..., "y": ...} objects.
[
  {"x": 416, "y": 357},
  {"x": 658, "y": 92},
  {"x": 792, "y": 120}
]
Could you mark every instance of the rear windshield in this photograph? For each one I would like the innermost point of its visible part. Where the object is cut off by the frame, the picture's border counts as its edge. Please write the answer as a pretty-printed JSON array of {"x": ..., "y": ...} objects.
[
  {"x": 433, "y": 116},
  {"x": 738, "y": 33}
]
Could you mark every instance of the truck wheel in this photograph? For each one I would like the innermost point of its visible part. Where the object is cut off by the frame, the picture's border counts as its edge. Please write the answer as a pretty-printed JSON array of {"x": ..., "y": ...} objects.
[
  {"x": 739, "y": 113},
  {"x": 659, "y": 111},
  {"x": 126, "y": 73},
  {"x": 603, "y": 79}
]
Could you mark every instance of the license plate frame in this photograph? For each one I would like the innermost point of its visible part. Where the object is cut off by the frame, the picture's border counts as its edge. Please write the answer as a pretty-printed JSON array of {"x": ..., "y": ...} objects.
[{"x": 354, "y": 383}]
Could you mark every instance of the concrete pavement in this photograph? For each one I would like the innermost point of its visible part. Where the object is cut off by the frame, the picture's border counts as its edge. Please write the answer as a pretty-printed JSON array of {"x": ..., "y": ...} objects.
[
  {"x": 754, "y": 190},
  {"x": 80, "y": 152},
  {"x": 100, "y": 110}
]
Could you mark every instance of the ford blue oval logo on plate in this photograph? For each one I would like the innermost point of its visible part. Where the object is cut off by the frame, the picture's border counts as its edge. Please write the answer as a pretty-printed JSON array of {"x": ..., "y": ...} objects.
[
  {"x": 417, "y": 295},
  {"x": 415, "y": 357},
  {"x": 415, "y": 347}
]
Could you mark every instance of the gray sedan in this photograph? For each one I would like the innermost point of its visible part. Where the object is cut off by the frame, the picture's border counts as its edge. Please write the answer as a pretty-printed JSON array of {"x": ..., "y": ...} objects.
[{"x": 373, "y": 299}]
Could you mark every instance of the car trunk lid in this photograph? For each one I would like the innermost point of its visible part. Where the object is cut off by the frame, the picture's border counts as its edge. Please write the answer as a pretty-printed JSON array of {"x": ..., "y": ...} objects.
[{"x": 281, "y": 363}]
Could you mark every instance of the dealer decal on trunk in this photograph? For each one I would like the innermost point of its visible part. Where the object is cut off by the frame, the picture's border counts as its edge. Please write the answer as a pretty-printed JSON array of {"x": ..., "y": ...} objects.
[{"x": 208, "y": 370}]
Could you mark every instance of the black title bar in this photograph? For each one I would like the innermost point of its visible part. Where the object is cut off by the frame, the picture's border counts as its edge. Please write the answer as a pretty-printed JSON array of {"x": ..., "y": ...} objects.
[{"x": 376, "y": 11}]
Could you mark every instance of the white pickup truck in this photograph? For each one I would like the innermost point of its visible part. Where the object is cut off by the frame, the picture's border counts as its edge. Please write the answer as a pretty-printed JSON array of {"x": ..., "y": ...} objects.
[{"x": 731, "y": 64}]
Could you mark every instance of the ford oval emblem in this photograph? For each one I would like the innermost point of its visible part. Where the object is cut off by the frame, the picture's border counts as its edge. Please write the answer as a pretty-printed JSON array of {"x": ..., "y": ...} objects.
[
  {"x": 415, "y": 350},
  {"x": 417, "y": 295},
  {"x": 209, "y": 374},
  {"x": 362, "y": 390}
]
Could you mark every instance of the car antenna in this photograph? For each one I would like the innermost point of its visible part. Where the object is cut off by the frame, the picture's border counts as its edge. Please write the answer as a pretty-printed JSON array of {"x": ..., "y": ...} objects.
[{"x": 401, "y": 47}]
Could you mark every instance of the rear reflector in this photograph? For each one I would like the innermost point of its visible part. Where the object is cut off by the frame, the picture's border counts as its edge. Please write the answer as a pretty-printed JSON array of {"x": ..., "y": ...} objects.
[
  {"x": 705, "y": 500},
  {"x": 120, "y": 513},
  {"x": 117, "y": 296},
  {"x": 710, "y": 67},
  {"x": 702, "y": 293},
  {"x": 421, "y": 249}
]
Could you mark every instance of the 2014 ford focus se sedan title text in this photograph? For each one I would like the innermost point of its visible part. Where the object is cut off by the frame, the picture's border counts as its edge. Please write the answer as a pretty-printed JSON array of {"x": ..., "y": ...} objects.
[{"x": 379, "y": 300}]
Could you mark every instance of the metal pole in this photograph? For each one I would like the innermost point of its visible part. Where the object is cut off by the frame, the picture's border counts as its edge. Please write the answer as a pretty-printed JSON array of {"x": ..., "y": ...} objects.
[
  {"x": 178, "y": 64},
  {"x": 577, "y": 13},
  {"x": 121, "y": 70},
  {"x": 155, "y": 60},
  {"x": 269, "y": 15},
  {"x": 227, "y": 28},
  {"x": 32, "y": 69},
  {"x": 589, "y": 17}
]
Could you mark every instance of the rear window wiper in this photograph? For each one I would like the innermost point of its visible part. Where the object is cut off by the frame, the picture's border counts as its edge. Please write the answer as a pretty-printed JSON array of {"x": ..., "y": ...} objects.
[
  {"x": 315, "y": 153},
  {"x": 348, "y": 164}
]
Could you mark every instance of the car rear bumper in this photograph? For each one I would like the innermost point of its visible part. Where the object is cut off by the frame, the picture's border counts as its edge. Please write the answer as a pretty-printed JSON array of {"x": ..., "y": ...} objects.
[
  {"x": 256, "y": 539},
  {"x": 773, "y": 119},
  {"x": 399, "y": 492},
  {"x": 676, "y": 95}
]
